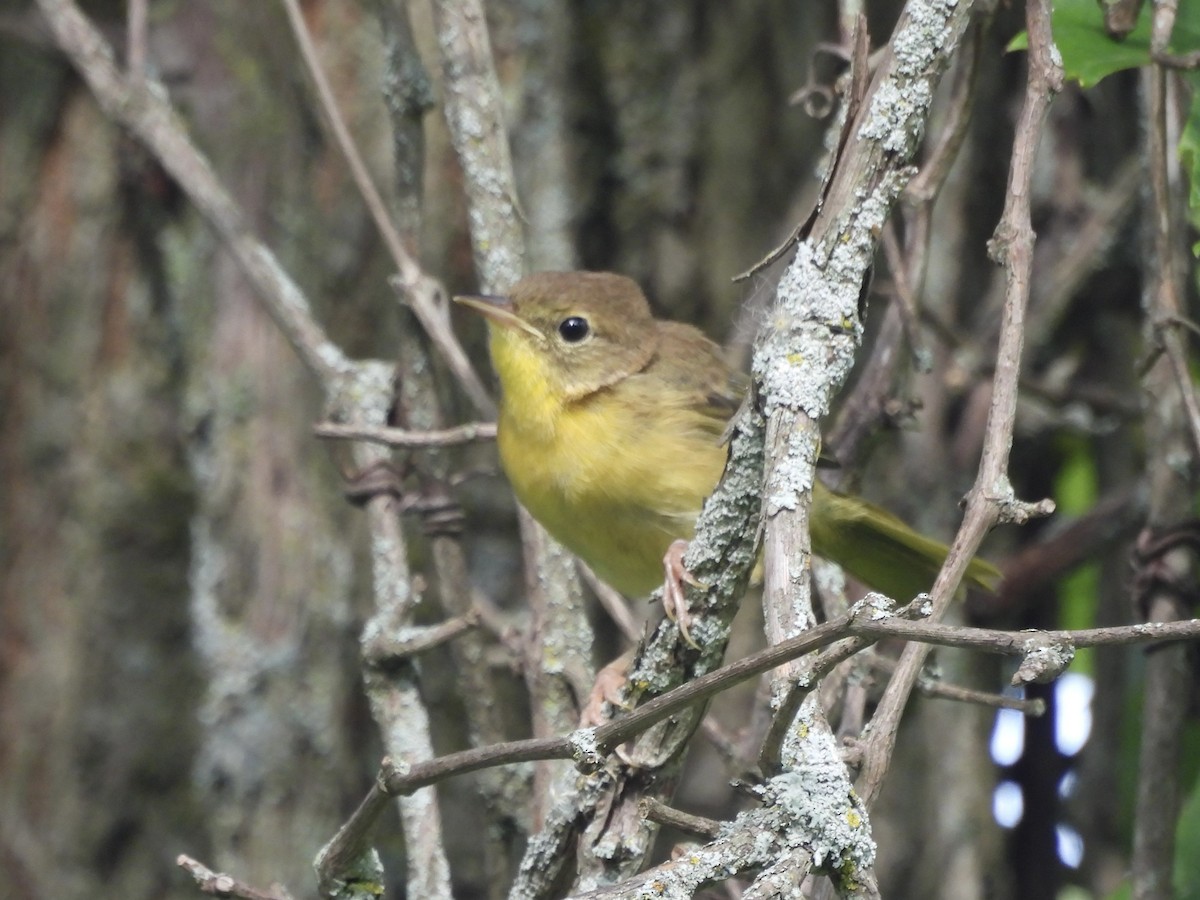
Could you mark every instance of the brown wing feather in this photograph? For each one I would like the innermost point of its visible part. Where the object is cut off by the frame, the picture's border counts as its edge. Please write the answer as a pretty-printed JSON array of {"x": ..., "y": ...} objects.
[{"x": 696, "y": 368}]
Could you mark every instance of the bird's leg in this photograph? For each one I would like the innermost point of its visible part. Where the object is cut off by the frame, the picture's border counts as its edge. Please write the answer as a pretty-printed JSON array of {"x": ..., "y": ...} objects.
[
  {"x": 674, "y": 602},
  {"x": 609, "y": 687}
]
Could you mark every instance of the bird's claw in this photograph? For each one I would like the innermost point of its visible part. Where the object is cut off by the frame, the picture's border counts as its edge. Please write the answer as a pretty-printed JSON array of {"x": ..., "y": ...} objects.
[
  {"x": 609, "y": 687},
  {"x": 675, "y": 574}
]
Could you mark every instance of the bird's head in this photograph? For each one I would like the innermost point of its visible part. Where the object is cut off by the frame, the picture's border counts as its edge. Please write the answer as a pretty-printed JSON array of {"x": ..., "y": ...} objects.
[{"x": 568, "y": 334}]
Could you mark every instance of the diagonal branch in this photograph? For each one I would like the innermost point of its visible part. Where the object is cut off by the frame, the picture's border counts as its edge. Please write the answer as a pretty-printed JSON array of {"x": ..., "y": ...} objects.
[{"x": 421, "y": 290}]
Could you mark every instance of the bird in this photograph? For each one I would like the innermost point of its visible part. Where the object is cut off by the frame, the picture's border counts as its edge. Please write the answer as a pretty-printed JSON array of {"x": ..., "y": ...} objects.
[{"x": 612, "y": 429}]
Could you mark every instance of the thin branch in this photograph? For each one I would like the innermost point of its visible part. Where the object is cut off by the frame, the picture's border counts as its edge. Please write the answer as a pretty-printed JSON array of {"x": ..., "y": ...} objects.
[
  {"x": 469, "y": 433},
  {"x": 867, "y": 406},
  {"x": 657, "y": 811},
  {"x": 1182, "y": 61},
  {"x": 753, "y": 841},
  {"x": 868, "y": 621},
  {"x": 1177, "y": 356},
  {"x": 588, "y": 746},
  {"x": 1166, "y": 303},
  {"x": 1020, "y": 643},
  {"x": 383, "y": 649},
  {"x": 135, "y": 36},
  {"x": 218, "y": 884},
  {"x": 931, "y": 687},
  {"x": 1110, "y": 520},
  {"x": 770, "y": 754},
  {"x": 421, "y": 290},
  {"x": 1162, "y": 23},
  {"x": 393, "y": 693},
  {"x": 472, "y": 103},
  {"x": 503, "y": 820},
  {"x": 927, "y": 184}
]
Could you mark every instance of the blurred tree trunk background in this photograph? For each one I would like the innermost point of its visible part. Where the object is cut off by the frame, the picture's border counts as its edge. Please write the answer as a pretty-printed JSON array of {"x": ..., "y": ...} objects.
[{"x": 182, "y": 582}]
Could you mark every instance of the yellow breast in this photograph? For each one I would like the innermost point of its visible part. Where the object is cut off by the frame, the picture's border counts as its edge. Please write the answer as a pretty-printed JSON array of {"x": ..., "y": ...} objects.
[{"x": 611, "y": 476}]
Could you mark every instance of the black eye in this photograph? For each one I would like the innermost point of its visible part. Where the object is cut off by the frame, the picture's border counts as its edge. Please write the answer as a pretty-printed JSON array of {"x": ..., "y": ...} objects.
[{"x": 574, "y": 329}]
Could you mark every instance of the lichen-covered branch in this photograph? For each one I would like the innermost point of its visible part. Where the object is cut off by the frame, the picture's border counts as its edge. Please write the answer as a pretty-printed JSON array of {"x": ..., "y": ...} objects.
[{"x": 805, "y": 354}]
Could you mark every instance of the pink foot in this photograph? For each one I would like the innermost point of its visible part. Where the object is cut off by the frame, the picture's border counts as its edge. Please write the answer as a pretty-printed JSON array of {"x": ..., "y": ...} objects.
[
  {"x": 608, "y": 688},
  {"x": 674, "y": 576}
]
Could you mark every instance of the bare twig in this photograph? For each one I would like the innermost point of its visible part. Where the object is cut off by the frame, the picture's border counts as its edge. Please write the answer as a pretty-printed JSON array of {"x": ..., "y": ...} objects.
[
  {"x": 1037, "y": 565},
  {"x": 587, "y": 746},
  {"x": 422, "y": 291},
  {"x": 770, "y": 754},
  {"x": 386, "y": 648},
  {"x": 349, "y": 851},
  {"x": 135, "y": 36},
  {"x": 1162, "y": 23},
  {"x": 1183, "y": 61},
  {"x": 403, "y": 437},
  {"x": 1166, "y": 308},
  {"x": 472, "y": 105},
  {"x": 752, "y": 842},
  {"x": 504, "y": 816},
  {"x": 393, "y": 694},
  {"x": 1177, "y": 356},
  {"x": 218, "y": 884},
  {"x": 867, "y": 404},
  {"x": 659, "y": 812},
  {"x": 936, "y": 688},
  {"x": 806, "y": 356},
  {"x": 931, "y": 687}
]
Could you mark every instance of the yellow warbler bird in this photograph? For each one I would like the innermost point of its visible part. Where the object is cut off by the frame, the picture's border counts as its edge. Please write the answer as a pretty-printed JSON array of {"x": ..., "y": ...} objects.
[{"x": 611, "y": 426}]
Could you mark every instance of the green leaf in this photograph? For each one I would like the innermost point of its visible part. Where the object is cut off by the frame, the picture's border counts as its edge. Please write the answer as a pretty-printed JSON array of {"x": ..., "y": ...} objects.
[{"x": 1089, "y": 54}]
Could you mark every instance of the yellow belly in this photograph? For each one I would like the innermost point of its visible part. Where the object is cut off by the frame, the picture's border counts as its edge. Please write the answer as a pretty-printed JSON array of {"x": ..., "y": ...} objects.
[{"x": 613, "y": 485}]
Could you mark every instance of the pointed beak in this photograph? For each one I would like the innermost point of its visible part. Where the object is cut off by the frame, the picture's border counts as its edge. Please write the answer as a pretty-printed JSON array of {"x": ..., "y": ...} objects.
[{"x": 498, "y": 311}]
